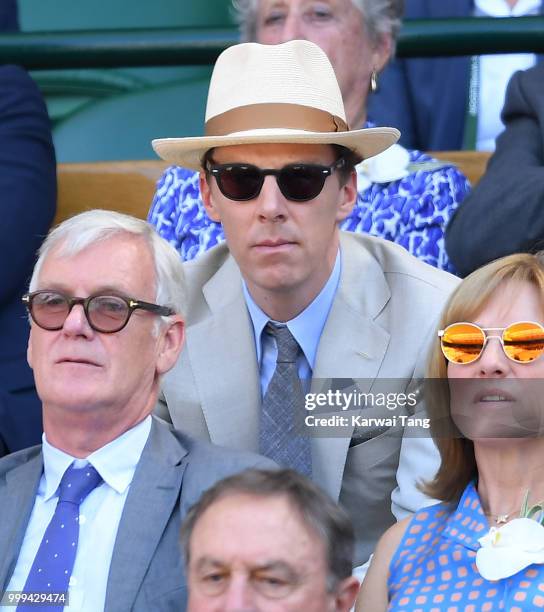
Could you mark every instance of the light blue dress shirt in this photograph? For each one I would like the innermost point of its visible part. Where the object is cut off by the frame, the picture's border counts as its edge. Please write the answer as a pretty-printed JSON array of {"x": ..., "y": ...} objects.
[
  {"x": 306, "y": 328},
  {"x": 99, "y": 517}
]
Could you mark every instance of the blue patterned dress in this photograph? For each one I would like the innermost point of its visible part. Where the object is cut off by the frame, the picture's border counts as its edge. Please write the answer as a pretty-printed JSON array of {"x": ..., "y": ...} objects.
[
  {"x": 434, "y": 570},
  {"x": 412, "y": 211}
]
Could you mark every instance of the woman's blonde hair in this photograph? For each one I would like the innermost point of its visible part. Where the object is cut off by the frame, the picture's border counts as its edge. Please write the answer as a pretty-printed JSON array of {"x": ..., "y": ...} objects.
[{"x": 458, "y": 465}]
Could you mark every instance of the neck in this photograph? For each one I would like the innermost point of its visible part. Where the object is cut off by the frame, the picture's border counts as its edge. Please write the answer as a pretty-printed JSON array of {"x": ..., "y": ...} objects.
[
  {"x": 355, "y": 113},
  {"x": 81, "y": 432},
  {"x": 281, "y": 307},
  {"x": 506, "y": 470}
]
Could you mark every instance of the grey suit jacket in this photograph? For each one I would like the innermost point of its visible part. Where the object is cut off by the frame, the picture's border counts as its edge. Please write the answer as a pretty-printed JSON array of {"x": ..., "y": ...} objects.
[
  {"x": 146, "y": 571},
  {"x": 503, "y": 215},
  {"x": 379, "y": 326}
]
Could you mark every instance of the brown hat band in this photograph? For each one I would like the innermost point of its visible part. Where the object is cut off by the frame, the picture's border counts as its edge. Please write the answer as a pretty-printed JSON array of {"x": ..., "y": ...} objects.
[{"x": 280, "y": 116}]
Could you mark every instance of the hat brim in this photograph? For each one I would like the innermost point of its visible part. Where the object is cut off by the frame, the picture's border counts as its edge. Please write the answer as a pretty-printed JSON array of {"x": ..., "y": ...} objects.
[{"x": 188, "y": 152}]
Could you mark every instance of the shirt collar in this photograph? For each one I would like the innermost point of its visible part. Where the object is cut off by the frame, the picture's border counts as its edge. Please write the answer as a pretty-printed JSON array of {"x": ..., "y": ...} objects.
[
  {"x": 468, "y": 522},
  {"x": 116, "y": 461},
  {"x": 308, "y": 325},
  {"x": 499, "y": 8}
]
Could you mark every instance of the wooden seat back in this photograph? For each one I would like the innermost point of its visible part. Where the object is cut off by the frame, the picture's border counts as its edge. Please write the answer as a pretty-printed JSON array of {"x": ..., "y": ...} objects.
[{"x": 129, "y": 186}]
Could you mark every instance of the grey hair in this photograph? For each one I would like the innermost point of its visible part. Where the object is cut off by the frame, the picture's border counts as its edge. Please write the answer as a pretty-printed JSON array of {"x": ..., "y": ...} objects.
[
  {"x": 81, "y": 231},
  {"x": 379, "y": 17},
  {"x": 318, "y": 512}
]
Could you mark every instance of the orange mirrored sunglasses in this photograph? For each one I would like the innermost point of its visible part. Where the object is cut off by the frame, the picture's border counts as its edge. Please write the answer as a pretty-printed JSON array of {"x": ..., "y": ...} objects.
[{"x": 463, "y": 343}]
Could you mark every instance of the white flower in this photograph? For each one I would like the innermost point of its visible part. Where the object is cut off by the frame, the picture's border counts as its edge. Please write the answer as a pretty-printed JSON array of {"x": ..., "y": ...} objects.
[
  {"x": 391, "y": 165},
  {"x": 508, "y": 549}
]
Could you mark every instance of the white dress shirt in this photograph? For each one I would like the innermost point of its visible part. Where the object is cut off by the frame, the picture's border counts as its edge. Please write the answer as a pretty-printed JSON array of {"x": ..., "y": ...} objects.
[{"x": 99, "y": 517}]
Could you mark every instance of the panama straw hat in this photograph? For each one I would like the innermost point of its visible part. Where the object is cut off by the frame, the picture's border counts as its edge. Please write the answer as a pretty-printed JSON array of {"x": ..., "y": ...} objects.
[{"x": 284, "y": 93}]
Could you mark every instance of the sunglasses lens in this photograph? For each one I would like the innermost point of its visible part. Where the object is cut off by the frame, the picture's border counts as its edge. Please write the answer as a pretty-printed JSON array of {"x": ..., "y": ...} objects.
[
  {"x": 524, "y": 341},
  {"x": 462, "y": 342},
  {"x": 49, "y": 309},
  {"x": 302, "y": 182},
  {"x": 239, "y": 182},
  {"x": 108, "y": 313}
]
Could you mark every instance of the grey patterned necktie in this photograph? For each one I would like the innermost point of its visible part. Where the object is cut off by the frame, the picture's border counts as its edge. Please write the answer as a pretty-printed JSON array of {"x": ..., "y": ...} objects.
[{"x": 283, "y": 404}]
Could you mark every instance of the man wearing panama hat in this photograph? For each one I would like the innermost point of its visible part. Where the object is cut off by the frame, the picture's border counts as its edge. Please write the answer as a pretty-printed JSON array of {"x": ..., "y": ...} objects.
[{"x": 291, "y": 297}]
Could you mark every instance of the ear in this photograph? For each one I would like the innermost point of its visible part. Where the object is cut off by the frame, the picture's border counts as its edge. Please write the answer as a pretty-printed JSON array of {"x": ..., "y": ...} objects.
[
  {"x": 381, "y": 53},
  {"x": 346, "y": 593},
  {"x": 172, "y": 336},
  {"x": 347, "y": 197},
  {"x": 207, "y": 198}
]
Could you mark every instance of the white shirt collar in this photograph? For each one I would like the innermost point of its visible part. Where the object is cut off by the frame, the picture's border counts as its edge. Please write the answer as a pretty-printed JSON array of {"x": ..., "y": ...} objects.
[
  {"x": 500, "y": 8},
  {"x": 116, "y": 461}
]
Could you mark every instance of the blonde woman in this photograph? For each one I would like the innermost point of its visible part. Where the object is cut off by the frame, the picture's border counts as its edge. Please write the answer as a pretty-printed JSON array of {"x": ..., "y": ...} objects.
[{"x": 473, "y": 551}]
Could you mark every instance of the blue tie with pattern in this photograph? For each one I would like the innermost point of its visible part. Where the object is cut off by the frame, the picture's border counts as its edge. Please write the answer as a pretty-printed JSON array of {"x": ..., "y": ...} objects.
[
  {"x": 283, "y": 404},
  {"x": 54, "y": 561}
]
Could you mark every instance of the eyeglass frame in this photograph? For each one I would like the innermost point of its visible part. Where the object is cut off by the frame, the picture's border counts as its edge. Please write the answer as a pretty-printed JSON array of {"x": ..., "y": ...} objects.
[
  {"x": 132, "y": 304},
  {"x": 214, "y": 169},
  {"x": 441, "y": 332}
]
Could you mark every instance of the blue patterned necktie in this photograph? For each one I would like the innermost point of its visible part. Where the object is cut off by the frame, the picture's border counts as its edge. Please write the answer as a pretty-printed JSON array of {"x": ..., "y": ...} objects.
[
  {"x": 282, "y": 406},
  {"x": 54, "y": 561}
]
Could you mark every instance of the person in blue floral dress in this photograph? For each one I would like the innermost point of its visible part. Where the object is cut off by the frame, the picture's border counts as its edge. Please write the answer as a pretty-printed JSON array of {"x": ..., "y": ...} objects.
[{"x": 412, "y": 210}]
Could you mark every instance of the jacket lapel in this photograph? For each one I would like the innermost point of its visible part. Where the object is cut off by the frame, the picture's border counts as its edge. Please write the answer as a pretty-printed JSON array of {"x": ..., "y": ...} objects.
[
  {"x": 19, "y": 492},
  {"x": 153, "y": 495},
  {"x": 224, "y": 342},
  {"x": 352, "y": 346}
]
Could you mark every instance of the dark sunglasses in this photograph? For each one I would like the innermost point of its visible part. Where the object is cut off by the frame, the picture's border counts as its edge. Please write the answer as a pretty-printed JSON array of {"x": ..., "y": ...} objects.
[
  {"x": 297, "y": 182},
  {"x": 105, "y": 313}
]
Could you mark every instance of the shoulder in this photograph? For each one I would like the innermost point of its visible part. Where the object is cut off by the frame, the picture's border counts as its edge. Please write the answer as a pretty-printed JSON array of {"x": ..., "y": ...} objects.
[
  {"x": 402, "y": 271},
  {"x": 20, "y": 97},
  {"x": 200, "y": 270},
  {"x": 176, "y": 182},
  {"x": 15, "y": 77},
  {"x": 215, "y": 265},
  {"x": 524, "y": 98},
  {"x": 436, "y": 172},
  {"x": 208, "y": 463},
  {"x": 390, "y": 541},
  {"x": 205, "y": 463},
  {"x": 400, "y": 533},
  {"x": 179, "y": 176},
  {"x": 526, "y": 86},
  {"x": 531, "y": 78},
  {"x": 374, "y": 593},
  {"x": 18, "y": 459},
  {"x": 414, "y": 176},
  {"x": 204, "y": 455}
]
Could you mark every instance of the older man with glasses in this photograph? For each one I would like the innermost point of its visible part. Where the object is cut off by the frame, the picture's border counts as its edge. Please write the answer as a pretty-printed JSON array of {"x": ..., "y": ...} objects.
[
  {"x": 291, "y": 298},
  {"x": 90, "y": 518}
]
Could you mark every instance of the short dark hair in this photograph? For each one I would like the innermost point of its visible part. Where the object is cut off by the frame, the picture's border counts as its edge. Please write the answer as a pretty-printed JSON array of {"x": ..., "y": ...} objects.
[
  {"x": 317, "y": 511},
  {"x": 351, "y": 159}
]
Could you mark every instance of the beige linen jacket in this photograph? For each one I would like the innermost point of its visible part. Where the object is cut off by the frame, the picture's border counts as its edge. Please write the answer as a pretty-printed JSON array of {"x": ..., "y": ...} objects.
[{"x": 379, "y": 327}]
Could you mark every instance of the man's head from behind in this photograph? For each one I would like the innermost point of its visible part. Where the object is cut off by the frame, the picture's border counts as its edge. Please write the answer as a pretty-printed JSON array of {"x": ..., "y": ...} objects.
[
  {"x": 277, "y": 166},
  {"x": 100, "y": 357},
  {"x": 268, "y": 541}
]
